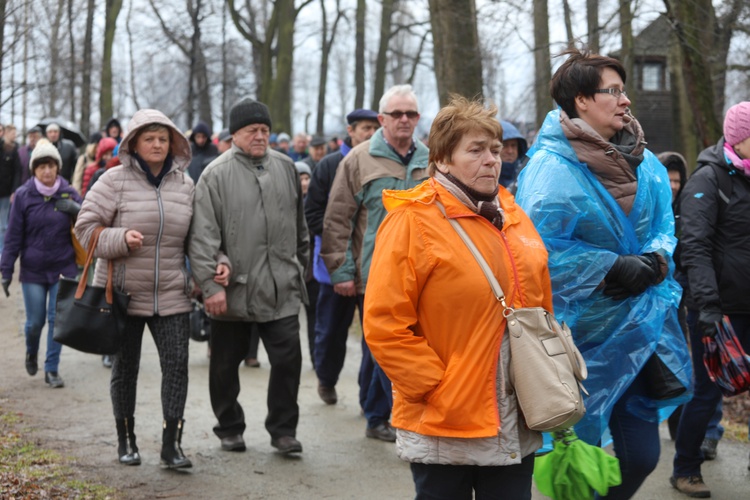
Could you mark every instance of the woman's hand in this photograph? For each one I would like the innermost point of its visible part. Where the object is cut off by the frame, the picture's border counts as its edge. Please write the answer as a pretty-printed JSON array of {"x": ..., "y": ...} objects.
[
  {"x": 222, "y": 275},
  {"x": 216, "y": 304},
  {"x": 133, "y": 239}
]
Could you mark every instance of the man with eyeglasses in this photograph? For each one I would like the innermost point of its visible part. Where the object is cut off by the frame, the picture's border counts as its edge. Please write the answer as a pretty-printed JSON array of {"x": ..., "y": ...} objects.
[
  {"x": 249, "y": 206},
  {"x": 391, "y": 159}
]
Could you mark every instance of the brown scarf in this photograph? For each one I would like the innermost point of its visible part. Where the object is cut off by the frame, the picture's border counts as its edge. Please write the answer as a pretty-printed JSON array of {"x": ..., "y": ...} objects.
[{"x": 485, "y": 205}]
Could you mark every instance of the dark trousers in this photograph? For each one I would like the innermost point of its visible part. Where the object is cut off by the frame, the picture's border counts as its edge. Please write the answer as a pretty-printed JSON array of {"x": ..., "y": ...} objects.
[
  {"x": 635, "y": 441},
  {"x": 334, "y": 317},
  {"x": 378, "y": 397},
  {"x": 456, "y": 482},
  {"x": 230, "y": 341},
  {"x": 171, "y": 335},
  {"x": 312, "y": 316},
  {"x": 697, "y": 413}
]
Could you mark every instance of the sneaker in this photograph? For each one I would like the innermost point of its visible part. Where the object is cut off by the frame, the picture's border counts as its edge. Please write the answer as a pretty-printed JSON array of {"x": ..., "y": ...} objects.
[
  {"x": 709, "y": 448},
  {"x": 53, "y": 380},
  {"x": 692, "y": 486},
  {"x": 107, "y": 361},
  {"x": 384, "y": 432},
  {"x": 327, "y": 394},
  {"x": 31, "y": 364}
]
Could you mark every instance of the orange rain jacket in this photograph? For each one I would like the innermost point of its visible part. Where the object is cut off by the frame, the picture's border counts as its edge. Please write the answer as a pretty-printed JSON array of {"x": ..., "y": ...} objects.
[{"x": 431, "y": 319}]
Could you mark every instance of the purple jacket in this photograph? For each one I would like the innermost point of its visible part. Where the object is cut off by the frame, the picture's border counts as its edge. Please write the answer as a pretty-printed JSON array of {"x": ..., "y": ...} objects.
[{"x": 40, "y": 235}]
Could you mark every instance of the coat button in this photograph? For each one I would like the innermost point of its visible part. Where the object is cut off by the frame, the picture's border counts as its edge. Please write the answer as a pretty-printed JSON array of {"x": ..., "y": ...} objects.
[
  {"x": 513, "y": 455},
  {"x": 513, "y": 323}
]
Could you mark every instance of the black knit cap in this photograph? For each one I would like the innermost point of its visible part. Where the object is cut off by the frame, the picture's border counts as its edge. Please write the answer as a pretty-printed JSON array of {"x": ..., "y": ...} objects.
[{"x": 248, "y": 112}]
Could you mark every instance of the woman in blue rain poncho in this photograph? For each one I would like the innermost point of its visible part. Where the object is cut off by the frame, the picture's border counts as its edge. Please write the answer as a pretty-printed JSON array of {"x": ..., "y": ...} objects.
[{"x": 602, "y": 203}]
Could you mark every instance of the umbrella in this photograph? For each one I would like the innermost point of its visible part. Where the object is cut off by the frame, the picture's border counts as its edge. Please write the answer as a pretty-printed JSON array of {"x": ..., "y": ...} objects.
[
  {"x": 68, "y": 129},
  {"x": 574, "y": 469},
  {"x": 726, "y": 361}
]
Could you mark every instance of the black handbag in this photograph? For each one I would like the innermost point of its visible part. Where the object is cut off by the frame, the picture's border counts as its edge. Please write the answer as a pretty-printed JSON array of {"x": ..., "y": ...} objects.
[
  {"x": 90, "y": 318},
  {"x": 661, "y": 383}
]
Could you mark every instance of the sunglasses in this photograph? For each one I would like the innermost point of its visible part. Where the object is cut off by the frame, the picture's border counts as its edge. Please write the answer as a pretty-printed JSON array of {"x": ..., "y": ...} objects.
[{"x": 396, "y": 115}]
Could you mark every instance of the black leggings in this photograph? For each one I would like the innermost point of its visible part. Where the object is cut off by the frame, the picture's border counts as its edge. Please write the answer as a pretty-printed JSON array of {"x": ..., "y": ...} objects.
[{"x": 171, "y": 335}]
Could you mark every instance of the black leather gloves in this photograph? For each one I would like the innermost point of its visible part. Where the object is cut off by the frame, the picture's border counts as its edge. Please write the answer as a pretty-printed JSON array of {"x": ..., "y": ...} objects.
[
  {"x": 6, "y": 286},
  {"x": 630, "y": 275},
  {"x": 707, "y": 320},
  {"x": 68, "y": 206}
]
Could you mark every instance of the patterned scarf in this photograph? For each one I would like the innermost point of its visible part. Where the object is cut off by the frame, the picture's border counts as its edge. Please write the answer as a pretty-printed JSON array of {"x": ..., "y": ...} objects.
[
  {"x": 741, "y": 164},
  {"x": 485, "y": 205}
]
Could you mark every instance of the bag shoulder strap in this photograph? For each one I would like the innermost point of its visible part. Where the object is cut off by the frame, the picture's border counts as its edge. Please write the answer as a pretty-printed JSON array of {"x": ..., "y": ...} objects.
[
  {"x": 496, "y": 288},
  {"x": 724, "y": 179}
]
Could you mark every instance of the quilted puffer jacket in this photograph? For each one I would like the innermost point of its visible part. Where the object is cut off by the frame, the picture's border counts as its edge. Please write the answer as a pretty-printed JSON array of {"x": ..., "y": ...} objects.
[{"x": 155, "y": 274}]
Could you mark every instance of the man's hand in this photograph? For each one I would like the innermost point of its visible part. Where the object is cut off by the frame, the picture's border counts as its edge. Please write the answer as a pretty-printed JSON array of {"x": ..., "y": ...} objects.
[
  {"x": 222, "y": 275},
  {"x": 345, "y": 288},
  {"x": 707, "y": 320},
  {"x": 216, "y": 304}
]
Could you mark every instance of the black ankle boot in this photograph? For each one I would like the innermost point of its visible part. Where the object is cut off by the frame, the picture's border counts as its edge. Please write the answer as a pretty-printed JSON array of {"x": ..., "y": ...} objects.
[
  {"x": 171, "y": 452},
  {"x": 126, "y": 447}
]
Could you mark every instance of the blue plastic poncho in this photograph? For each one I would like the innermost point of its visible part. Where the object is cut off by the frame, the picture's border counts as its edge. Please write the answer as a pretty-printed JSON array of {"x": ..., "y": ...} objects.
[{"x": 585, "y": 230}]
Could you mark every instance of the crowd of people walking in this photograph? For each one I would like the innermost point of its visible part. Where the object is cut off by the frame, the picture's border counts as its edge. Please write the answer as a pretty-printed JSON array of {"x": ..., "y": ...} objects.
[{"x": 638, "y": 259}]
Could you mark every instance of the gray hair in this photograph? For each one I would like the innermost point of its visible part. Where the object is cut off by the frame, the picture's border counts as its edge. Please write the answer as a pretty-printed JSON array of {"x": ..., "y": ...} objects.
[
  {"x": 53, "y": 126},
  {"x": 397, "y": 90}
]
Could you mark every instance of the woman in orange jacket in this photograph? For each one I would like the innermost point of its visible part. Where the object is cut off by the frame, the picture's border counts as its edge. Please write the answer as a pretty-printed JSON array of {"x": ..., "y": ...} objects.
[{"x": 434, "y": 325}]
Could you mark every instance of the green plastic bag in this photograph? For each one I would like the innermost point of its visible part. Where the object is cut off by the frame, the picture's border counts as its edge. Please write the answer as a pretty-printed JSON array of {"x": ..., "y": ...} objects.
[{"x": 574, "y": 470}]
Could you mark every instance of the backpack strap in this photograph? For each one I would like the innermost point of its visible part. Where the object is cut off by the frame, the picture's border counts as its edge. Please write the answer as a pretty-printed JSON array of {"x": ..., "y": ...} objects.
[{"x": 724, "y": 178}]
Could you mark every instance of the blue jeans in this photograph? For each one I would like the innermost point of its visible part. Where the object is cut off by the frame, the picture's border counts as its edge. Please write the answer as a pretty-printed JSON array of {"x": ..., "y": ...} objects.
[
  {"x": 697, "y": 412},
  {"x": 636, "y": 443},
  {"x": 715, "y": 430},
  {"x": 35, "y": 299},
  {"x": 456, "y": 482},
  {"x": 4, "y": 212}
]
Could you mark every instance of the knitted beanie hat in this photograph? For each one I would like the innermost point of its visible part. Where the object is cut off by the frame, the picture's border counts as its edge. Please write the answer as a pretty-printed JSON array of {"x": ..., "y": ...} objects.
[
  {"x": 737, "y": 123},
  {"x": 44, "y": 149},
  {"x": 248, "y": 112}
]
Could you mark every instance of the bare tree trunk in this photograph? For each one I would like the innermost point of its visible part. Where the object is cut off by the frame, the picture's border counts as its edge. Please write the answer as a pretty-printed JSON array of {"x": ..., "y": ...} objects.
[
  {"x": 327, "y": 45},
  {"x": 458, "y": 63},
  {"x": 380, "y": 62},
  {"x": 359, "y": 56},
  {"x": 224, "y": 67},
  {"x": 542, "y": 64},
  {"x": 281, "y": 86},
  {"x": 722, "y": 31},
  {"x": 106, "y": 109},
  {"x": 72, "y": 66},
  {"x": 592, "y": 23},
  {"x": 86, "y": 69},
  {"x": 3, "y": 6},
  {"x": 568, "y": 23},
  {"x": 627, "y": 55},
  {"x": 133, "y": 89},
  {"x": 54, "y": 58},
  {"x": 688, "y": 19}
]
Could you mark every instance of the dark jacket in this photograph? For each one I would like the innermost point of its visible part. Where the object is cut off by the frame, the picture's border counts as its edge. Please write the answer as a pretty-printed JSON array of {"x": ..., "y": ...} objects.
[
  {"x": 317, "y": 192},
  {"x": 10, "y": 168},
  {"x": 40, "y": 235},
  {"x": 202, "y": 156},
  {"x": 715, "y": 240},
  {"x": 69, "y": 155}
]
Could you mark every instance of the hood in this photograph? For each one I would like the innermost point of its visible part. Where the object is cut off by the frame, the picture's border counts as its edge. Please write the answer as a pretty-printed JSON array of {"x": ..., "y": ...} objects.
[
  {"x": 713, "y": 154},
  {"x": 201, "y": 128},
  {"x": 511, "y": 132},
  {"x": 112, "y": 121},
  {"x": 676, "y": 160},
  {"x": 180, "y": 147},
  {"x": 106, "y": 144}
]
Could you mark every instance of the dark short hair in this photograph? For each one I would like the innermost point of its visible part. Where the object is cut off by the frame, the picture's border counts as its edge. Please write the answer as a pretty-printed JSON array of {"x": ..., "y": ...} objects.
[{"x": 580, "y": 74}]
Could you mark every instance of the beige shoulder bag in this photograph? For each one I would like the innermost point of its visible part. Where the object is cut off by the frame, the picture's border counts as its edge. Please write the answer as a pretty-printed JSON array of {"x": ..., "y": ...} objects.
[{"x": 546, "y": 367}]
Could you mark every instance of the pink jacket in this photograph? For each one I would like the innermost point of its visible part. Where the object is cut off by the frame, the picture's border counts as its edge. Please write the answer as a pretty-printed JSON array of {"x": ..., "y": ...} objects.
[{"x": 155, "y": 275}]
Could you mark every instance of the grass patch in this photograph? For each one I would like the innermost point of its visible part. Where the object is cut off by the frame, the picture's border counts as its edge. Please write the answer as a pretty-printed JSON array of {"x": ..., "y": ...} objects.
[{"x": 28, "y": 471}]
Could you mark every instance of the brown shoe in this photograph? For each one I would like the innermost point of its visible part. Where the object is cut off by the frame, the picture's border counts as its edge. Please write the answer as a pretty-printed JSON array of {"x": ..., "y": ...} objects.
[
  {"x": 384, "y": 432},
  {"x": 252, "y": 363},
  {"x": 692, "y": 486},
  {"x": 287, "y": 445},
  {"x": 233, "y": 443},
  {"x": 327, "y": 394}
]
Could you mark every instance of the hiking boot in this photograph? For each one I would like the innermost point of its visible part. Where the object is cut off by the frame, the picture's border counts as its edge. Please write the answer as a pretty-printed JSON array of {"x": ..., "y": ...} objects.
[
  {"x": 709, "y": 448},
  {"x": 384, "y": 432},
  {"x": 287, "y": 445},
  {"x": 328, "y": 394},
  {"x": 692, "y": 486},
  {"x": 31, "y": 364}
]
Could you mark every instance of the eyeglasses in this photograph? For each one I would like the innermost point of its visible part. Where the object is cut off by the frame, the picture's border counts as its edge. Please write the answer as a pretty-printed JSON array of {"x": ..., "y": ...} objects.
[
  {"x": 613, "y": 91},
  {"x": 396, "y": 115}
]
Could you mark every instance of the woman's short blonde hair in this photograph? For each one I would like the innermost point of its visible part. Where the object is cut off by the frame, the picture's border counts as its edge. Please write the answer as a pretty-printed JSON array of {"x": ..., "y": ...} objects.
[
  {"x": 151, "y": 127},
  {"x": 460, "y": 117}
]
